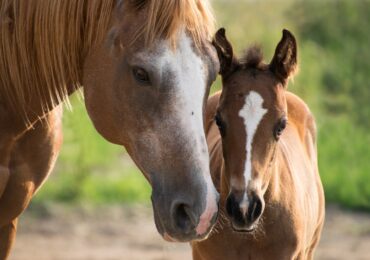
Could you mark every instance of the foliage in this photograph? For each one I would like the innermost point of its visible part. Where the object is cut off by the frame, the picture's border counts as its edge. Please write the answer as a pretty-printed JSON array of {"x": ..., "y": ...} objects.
[{"x": 339, "y": 32}]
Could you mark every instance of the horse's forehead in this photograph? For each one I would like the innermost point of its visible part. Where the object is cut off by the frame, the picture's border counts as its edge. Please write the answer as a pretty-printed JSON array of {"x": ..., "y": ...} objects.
[{"x": 183, "y": 56}]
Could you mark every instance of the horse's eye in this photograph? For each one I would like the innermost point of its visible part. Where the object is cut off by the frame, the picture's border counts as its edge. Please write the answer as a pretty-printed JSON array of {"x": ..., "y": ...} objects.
[
  {"x": 220, "y": 124},
  {"x": 279, "y": 127},
  {"x": 141, "y": 75}
]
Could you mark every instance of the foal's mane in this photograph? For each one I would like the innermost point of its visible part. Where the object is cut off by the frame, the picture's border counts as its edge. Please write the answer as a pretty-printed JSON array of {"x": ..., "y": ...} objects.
[
  {"x": 253, "y": 58},
  {"x": 43, "y": 43}
]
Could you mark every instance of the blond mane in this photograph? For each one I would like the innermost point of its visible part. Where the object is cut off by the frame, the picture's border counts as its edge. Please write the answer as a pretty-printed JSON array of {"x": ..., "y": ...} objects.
[
  {"x": 166, "y": 17},
  {"x": 42, "y": 47},
  {"x": 43, "y": 43}
]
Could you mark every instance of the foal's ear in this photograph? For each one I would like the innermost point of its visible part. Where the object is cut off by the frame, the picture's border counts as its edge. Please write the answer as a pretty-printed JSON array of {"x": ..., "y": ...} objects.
[
  {"x": 284, "y": 62},
  {"x": 224, "y": 51}
]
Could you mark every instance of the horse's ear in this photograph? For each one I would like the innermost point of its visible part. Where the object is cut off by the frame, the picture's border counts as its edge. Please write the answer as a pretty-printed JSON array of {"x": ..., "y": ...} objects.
[
  {"x": 284, "y": 62},
  {"x": 224, "y": 51}
]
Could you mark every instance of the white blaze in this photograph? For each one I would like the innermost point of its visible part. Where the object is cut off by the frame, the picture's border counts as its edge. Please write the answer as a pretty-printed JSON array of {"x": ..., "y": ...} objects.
[
  {"x": 192, "y": 81},
  {"x": 189, "y": 76},
  {"x": 244, "y": 204},
  {"x": 252, "y": 113}
]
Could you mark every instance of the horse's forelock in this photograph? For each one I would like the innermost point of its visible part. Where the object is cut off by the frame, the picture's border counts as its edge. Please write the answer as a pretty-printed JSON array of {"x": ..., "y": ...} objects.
[{"x": 166, "y": 17}]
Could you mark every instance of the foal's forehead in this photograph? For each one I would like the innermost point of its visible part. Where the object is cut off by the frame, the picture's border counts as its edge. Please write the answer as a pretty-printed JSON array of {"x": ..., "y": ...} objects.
[{"x": 246, "y": 81}]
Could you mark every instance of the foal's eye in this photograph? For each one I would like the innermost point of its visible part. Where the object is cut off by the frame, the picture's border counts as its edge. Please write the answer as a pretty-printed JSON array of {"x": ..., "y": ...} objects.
[
  {"x": 279, "y": 127},
  {"x": 141, "y": 75},
  {"x": 220, "y": 124}
]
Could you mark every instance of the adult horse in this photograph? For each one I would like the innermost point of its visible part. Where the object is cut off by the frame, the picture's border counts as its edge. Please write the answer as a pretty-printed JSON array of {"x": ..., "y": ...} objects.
[
  {"x": 146, "y": 67},
  {"x": 263, "y": 159}
]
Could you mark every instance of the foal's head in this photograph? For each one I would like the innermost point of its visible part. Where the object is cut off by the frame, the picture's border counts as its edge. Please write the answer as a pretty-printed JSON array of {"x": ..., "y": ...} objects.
[{"x": 251, "y": 116}]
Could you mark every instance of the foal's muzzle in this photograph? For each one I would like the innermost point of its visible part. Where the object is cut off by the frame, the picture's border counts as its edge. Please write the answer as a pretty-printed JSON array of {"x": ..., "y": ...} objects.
[{"x": 244, "y": 211}]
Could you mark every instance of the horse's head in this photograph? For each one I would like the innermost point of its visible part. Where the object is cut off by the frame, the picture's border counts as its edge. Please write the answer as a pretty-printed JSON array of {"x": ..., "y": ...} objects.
[
  {"x": 251, "y": 116},
  {"x": 146, "y": 88}
]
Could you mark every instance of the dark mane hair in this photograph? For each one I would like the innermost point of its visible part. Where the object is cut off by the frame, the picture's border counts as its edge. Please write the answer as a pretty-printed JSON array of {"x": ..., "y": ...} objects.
[{"x": 253, "y": 58}]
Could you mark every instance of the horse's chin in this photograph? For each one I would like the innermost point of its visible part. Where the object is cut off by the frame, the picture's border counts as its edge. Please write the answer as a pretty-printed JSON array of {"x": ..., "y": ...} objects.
[
  {"x": 178, "y": 237},
  {"x": 182, "y": 239},
  {"x": 168, "y": 238}
]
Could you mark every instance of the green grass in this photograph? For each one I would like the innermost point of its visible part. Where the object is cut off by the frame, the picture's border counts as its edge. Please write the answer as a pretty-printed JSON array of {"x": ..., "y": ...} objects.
[
  {"x": 344, "y": 163},
  {"x": 333, "y": 80},
  {"x": 91, "y": 170}
]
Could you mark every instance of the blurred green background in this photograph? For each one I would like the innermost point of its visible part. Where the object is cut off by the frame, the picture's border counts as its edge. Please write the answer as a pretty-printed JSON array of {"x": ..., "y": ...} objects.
[{"x": 334, "y": 57}]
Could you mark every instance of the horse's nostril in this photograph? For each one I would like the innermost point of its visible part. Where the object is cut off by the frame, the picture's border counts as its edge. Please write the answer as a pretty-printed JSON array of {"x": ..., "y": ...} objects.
[
  {"x": 183, "y": 218},
  {"x": 255, "y": 209}
]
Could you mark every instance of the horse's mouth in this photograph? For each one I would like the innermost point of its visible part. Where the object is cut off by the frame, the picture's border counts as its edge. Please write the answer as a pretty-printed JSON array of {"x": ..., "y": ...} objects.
[
  {"x": 245, "y": 229},
  {"x": 169, "y": 234},
  {"x": 168, "y": 238},
  {"x": 191, "y": 237}
]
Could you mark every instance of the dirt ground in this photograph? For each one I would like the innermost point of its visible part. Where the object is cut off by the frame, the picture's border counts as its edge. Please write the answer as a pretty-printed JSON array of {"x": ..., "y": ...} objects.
[{"x": 129, "y": 233}]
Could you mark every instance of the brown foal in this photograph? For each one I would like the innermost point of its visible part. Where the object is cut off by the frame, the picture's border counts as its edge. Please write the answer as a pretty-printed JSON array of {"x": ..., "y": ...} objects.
[{"x": 262, "y": 146}]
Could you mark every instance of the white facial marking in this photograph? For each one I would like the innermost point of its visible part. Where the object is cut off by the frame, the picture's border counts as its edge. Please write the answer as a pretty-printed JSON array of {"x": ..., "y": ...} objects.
[
  {"x": 188, "y": 73},
  {"x": 252, "y": 112},
  {"x": 244, "y": 204},
  {"x": 191, "y": 80}
]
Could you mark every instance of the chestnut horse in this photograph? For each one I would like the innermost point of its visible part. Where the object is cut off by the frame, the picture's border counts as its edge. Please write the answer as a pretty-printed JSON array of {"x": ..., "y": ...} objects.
[
  {"x": 263, "y": 159},
  {"x": 146, "y": 67}
]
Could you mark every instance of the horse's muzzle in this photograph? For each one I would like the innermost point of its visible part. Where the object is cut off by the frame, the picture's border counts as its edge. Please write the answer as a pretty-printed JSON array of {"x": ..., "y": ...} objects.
[{"x": 187, "y": 219}]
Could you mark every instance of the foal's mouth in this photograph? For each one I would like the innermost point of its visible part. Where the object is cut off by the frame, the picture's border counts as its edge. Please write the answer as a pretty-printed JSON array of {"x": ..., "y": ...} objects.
[
  {"x": 245, "y": 230},
  {"x": 246, "y": 227}
]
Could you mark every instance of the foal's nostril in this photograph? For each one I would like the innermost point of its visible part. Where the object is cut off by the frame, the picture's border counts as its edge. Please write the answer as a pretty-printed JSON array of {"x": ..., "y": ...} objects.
[
  {"x": 230, "y": 205},
  {"x": 233, "y": 210},
  {"x": 184, "y": 218},
  {"x": 254, "y": 209}
]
